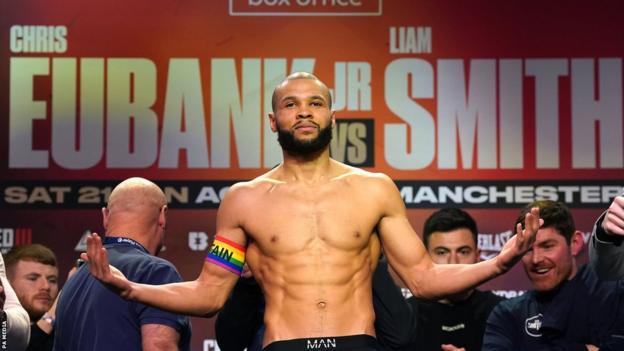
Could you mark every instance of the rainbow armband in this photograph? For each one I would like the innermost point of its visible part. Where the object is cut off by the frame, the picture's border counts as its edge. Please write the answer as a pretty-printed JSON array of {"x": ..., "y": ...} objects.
[{"x": 227, "y": 254}]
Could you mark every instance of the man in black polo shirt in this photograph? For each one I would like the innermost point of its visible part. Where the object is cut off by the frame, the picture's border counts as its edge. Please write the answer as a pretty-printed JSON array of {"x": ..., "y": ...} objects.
[
  {"x": 90, "y": 316},
  {"x": 455, "y": 322}
]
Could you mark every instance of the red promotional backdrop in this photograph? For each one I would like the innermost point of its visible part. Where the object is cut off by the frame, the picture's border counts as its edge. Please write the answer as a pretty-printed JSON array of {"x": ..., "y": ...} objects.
[{"x": 477, "y": 104}]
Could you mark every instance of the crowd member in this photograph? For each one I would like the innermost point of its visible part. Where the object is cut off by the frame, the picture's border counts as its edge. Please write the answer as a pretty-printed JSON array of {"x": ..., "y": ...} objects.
[
  {"x": 33, "y": 273},
  {"x": 14, "y": 318},
  {"x": 312, "y": 229},
  {"x": 569, "y": 308},
  {"x": 456, "y": 322},
  {"x": 606, "y": 251},
  {"x": 90, "y": 316}
]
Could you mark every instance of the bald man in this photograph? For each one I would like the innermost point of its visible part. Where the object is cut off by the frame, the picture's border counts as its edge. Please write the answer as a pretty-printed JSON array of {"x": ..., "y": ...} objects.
[
  {"x": 312, "y": 229},
  {"x": 92, "y": 317}
]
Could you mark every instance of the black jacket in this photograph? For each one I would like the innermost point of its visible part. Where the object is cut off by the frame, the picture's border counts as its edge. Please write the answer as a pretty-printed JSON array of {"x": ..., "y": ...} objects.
[{"x": 584, "y": 310}]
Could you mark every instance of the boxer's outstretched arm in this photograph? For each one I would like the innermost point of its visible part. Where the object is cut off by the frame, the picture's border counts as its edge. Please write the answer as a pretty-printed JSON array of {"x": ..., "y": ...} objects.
[
  {"x": 408, "y": 256},
  {"x": 203, "y": 296}
]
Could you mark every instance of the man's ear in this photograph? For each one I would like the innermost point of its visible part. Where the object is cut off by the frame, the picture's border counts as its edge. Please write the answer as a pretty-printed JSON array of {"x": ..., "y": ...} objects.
[
  {"x": 162, "y": 217},
  {"x": 105, "y": 215},
  {"x": 576, "y": 242},
  {"x": 273, "y": 122}
]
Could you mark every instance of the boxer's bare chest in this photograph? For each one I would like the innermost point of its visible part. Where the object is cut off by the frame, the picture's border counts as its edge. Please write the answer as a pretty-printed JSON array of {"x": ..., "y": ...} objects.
[{"x": 289, "y": 218}]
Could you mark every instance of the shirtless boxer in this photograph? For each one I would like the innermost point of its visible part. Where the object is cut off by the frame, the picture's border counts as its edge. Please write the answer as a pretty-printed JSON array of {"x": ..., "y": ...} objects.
[{"x": 308, "y": 230}]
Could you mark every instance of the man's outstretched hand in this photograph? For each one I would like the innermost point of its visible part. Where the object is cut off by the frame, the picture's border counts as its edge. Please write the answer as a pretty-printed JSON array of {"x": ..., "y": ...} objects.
[
  {"x": 97, "y": 259},
  {"x": 613, "y": 222},
  {"x": 520, "y": 243}
]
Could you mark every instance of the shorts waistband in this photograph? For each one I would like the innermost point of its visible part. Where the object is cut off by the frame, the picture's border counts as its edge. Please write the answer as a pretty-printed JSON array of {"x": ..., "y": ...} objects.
[{"x": 333, "y": 343}]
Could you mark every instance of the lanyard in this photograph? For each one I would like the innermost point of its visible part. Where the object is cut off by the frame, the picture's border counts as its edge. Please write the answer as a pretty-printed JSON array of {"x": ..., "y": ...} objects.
[{"x": 123, "y": 241}]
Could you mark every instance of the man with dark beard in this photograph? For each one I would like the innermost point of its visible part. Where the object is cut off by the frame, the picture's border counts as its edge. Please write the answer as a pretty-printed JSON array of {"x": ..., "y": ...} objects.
[
  {"x": 288, "y": 142},
  {"x": 312, "y": 229}
]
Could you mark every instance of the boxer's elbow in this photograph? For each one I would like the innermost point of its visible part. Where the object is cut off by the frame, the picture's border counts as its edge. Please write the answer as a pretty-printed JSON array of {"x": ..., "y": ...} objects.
[
  {"x": 420, "y": 290},
  {"x": 213, "y": 301},
  {"x": 213, "y": 307},
  {"x": 419, "y": 287},
  {"x": 422, "y": 282}
]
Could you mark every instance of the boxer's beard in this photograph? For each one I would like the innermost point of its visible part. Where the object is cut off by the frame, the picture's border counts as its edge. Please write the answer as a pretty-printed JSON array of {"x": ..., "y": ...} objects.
[{"x": 304, "y": 147}]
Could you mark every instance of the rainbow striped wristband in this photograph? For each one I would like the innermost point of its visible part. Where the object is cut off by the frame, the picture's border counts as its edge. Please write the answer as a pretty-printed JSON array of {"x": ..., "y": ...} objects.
[{"x": 227, "y": 254}]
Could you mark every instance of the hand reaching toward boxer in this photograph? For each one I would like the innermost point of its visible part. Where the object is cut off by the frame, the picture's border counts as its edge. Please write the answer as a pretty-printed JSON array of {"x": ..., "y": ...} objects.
[{"x": 97, "y": 258}]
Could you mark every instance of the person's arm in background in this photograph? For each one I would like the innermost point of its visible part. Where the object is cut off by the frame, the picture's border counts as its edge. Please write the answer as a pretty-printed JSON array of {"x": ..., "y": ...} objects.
[
  {"x": 606, "y": 252},
  {"x": 395, "y": 319},
  {"x": 241, "y": 317},
  {"x": 18, "y": 321}
]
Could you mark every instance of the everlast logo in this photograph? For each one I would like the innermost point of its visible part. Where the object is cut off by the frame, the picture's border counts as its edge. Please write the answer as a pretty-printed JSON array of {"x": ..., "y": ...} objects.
[
  {"x": 533, "y": 326},
  {"x": 319, "y": 344}
]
